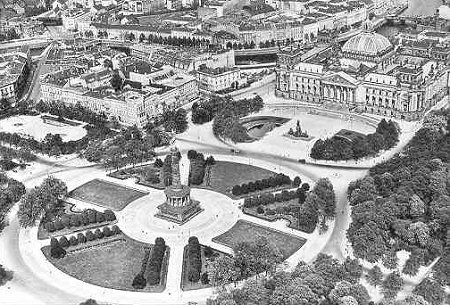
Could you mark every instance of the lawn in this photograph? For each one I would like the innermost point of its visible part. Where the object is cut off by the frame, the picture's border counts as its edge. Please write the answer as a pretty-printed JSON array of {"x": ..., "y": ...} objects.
[
  {"x": 113, "y": 265},
  {"x": 106, "y": 194},
  {"x": 243, "y": 230},
  {"x": 224, "y": 175}
]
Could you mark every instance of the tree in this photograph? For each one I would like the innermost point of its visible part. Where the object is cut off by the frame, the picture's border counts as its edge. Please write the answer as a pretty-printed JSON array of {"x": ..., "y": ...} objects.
[
  {"x": 222, "y": 271},
  {"x": 116, "y": 82},
  {"x": 139, "y": 281},
  {"x": 375, "y": 276},
  {"x": 431, "y": 291},
  {"x": 89, "y": 302},
  {"x": 5, "y": 275},
  {"x": 392, "y": 285},
  {"x": 41, "y": 200}
]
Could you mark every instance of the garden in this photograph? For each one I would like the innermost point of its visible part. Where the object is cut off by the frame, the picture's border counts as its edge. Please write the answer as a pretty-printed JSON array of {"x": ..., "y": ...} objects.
[
  {"x": 106, "y": 194},
  {"x": 113, "y": 262},
  {"x": 196, "y": 259},
  {"x": 243, "y": 230}
]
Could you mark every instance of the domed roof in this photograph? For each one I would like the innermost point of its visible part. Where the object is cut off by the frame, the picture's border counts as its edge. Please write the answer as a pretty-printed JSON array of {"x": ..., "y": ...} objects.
[{"x": 367, "y": 43}]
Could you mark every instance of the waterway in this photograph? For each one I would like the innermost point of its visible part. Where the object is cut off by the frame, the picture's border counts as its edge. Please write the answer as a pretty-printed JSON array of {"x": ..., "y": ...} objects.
[
  {"x": 415, "y": 8},
  {"x": 422, "y": 7}
]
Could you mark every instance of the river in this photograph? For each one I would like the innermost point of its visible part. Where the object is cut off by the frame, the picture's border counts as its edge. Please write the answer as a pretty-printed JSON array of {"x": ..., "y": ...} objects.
[
  {"x": 415, "y": 8},
  {"x": 422, "y": 7}
]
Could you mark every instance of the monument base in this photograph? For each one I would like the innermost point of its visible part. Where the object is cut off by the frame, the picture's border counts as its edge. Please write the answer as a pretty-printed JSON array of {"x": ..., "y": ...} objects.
[{"x": 181, "y": 214}]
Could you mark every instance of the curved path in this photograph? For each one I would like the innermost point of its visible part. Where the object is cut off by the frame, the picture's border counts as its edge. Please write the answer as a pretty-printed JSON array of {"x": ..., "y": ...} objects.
[{"x": 41, "y": 281}]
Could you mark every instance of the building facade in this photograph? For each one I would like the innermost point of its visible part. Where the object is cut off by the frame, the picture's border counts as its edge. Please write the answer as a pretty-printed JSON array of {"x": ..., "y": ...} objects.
[{"x": 370, "y": 76}]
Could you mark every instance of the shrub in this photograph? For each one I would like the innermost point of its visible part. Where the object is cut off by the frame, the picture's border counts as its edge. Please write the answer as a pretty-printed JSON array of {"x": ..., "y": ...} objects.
[
  {"x": 208, "y": 251},
  {"x": 158, "y": 163},
  {"x": 81, "y": 238},
  {"x": 236, "y": 191},
  {"x": 115, "y": 230},
  {"x": 57, "y": 252},
  {"x": 210, "y": 161},
  {"x": 92, "y": 214},
  {"x": 204, "y": 278},
  {"x": 85, "y": 218},
  {"x": 54, "y": 242},
  {"x": 305, "y": 187},
  {"x": 58, "y": 225},
  {"x": 297, "y": 181},
  {"x": 64, "y": 242},
  {"x": 260, "y": 210},
  {"x": 50, "y": 227},
  {"x": 270, "y": 212},
  {"x": 155, "y": 262},
  {"x": 75, "y": 220},
  {"x": 73, "y": 241},
  {"x": 194, "y": 259},
  {"x": 98, "y": 234},
  {"x": 107, "y": 231},
  {"x": 109, "y": 215},
  {"x": 90, "y": 236},
  {"x": 139, "y": 281},
  {"x": 65, "y": 219},
  {"x": 99, "y": 217}
]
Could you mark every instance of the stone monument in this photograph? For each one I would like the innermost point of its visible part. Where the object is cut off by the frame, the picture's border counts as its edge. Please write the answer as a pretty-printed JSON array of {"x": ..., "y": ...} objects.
[{"x": 179, "y": 206}]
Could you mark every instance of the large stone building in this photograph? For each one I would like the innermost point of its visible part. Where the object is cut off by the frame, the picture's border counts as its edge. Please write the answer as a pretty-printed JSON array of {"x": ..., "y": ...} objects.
[
  {"x": 129, "y": 106},
  {"x": 369, "y": 75},
  {"x": 215, "y": 80}
]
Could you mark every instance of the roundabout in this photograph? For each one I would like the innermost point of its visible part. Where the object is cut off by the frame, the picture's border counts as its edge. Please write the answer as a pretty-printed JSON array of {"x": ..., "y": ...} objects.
[{"x": 139, "y": 222}]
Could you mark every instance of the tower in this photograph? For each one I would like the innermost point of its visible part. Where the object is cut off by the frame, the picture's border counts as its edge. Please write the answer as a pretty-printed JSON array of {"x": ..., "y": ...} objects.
[{"x": 179, "y": 206}]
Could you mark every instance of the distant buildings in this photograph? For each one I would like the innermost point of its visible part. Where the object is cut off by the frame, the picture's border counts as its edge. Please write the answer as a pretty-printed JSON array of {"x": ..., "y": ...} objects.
[
  {"x": 218, "y": 79},
  {"x": 147, "y": 91},
  {"x": 14, "y": 69},
  {"x": 369, "y": 75}
]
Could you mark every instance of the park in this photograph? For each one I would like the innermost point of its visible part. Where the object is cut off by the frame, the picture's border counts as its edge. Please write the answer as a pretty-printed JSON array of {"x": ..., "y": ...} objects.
[{"x": 165, "y": 226}]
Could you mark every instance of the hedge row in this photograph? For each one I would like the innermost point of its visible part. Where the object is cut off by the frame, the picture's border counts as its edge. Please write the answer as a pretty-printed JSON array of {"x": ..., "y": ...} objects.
[
  {"x": 57, "y": 246},
  {"x": 259, "y": 185},
  {"x": 139, "y": 281},
  {"x": 155, "y": 262},
  {"x": 197, "y": 166},
  {"x": 194, "y": 260},
  {"x": 270, "y": 198},
  {"x": 86, "y": 217}
]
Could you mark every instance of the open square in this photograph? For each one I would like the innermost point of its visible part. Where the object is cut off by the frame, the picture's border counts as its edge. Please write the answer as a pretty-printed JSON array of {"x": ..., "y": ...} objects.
[
  {"x": 245, "y": 231},
  {"x": 106, "y": 194}
]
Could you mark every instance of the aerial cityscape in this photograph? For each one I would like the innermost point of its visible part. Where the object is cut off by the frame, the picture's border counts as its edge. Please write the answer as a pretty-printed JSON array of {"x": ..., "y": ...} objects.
[{"x": 224, "y": 152}]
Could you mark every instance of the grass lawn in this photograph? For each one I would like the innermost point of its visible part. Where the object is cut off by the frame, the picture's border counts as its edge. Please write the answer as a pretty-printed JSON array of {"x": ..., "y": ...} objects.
[
  {"x": 247, "y": 231},
  {"x": 224, "y": 175},
  {"x": 113, "y": 265},
  {"x": 106, "y": 194}
]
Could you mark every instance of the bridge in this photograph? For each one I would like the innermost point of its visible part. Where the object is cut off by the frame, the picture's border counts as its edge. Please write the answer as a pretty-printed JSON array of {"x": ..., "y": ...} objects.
[
  {"x": 253, "y": 52},
  {"x": 347, "y": 35}
]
